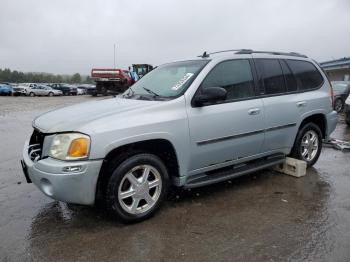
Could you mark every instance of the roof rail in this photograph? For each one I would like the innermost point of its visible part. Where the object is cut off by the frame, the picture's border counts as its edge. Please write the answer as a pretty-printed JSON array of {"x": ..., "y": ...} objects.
[
  {"x": 270, "y": 52},
  {"x": 250, "y": 51},
  {"x": 206, "y": 54}
]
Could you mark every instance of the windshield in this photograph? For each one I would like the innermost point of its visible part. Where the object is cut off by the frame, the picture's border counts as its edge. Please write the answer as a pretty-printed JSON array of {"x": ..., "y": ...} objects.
[
  {"x": 339, "y": 87},
  {"x": 167, "y": 81}
]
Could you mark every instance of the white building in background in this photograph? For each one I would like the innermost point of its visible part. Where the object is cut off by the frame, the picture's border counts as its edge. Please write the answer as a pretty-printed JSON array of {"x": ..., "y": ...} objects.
[{"x": 337, "y": 70}]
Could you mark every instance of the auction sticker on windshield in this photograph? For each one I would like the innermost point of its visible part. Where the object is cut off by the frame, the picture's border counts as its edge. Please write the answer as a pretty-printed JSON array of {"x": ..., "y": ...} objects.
[{"x": 182, "y": 81}]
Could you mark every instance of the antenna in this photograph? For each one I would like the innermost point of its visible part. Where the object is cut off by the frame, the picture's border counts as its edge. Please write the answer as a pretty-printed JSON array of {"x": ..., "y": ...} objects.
[{"x": 204, "y": 55}]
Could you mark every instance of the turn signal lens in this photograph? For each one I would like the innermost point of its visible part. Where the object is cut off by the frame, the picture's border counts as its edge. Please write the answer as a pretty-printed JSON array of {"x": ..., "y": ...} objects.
[{"x": 79, "y": 148}]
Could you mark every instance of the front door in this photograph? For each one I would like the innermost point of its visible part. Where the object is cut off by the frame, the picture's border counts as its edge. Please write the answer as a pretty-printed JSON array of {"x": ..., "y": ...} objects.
[{"x": 231, "y": 129}]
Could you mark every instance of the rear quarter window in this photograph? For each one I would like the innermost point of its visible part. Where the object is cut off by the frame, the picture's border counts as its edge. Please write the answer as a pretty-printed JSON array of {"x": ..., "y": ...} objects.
[{"x": 306, "y": 74}]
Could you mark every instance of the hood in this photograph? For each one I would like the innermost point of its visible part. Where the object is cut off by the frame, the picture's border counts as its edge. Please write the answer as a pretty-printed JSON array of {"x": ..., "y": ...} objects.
[{"x": 71, "y": 118}]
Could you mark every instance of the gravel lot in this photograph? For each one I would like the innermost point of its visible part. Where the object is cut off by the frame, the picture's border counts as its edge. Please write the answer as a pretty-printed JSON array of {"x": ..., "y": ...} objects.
[{"x": 264, "y": 216}]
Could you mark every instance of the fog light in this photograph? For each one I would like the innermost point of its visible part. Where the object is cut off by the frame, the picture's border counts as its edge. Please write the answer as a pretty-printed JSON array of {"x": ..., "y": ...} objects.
[{"x": 72, "y": 169}]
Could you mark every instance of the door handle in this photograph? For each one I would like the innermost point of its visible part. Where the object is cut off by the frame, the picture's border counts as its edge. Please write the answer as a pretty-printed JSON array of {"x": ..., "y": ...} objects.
[
  {"x": 301, "y": 103},
  {"x": 254, "y": 111}
]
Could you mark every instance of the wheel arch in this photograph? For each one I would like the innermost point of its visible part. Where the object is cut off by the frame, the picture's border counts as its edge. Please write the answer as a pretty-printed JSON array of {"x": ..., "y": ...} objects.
[
  {"x": 317, "y": 118},
  {"x": 162, "y": 148}
]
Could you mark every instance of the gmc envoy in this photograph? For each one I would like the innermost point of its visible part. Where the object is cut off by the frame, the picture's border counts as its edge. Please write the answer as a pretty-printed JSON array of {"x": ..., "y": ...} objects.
[{"x": 185, "y": 124}]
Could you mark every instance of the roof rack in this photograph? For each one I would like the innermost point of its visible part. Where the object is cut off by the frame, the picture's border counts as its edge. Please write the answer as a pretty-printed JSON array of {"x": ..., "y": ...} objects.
[{"x": 250, "y": 51}]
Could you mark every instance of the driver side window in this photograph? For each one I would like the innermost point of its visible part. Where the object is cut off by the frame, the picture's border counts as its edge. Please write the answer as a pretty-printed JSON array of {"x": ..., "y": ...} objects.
[{"x": 235, "y": 76}]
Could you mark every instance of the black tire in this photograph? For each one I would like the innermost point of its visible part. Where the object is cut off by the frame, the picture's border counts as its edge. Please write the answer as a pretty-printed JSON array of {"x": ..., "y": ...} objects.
[
  {"x": 297, "y": 148},
  {"x": 117, "y": 177},
  {"x": 50, "y": 94},
  {"x": 347, "y": 122},
  {"x": 339, "y": 105},
  {"x": 31, "y": 94}
]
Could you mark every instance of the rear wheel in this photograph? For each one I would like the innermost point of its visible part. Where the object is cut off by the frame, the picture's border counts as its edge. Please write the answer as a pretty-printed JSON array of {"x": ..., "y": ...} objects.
[
  {"x": 50, "y": 94},
  {"x": 308, "y": 144},
  {"x": 137, "y": 187}
]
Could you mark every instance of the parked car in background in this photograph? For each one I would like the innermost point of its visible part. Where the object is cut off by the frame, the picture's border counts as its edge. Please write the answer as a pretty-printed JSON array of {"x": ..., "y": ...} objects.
[
  {"x": 19, "y": 90},
  {"x": 43, "y": 90},
  {"x": 65, "y": 88},
  {"x": 341, "y": 90},
  {"x": 89, "y": 88},
  {"x": 81, "y": 91},
  {"x": 347, "y": 111},
  {"x": 5, "y": 90},
  {"x": 29, "y": 84},
  {"x": 186, "y": 124}
]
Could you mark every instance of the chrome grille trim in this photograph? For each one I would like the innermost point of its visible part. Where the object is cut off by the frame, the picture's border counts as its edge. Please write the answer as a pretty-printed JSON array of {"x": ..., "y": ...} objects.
[{"x": 36, "y": 145}]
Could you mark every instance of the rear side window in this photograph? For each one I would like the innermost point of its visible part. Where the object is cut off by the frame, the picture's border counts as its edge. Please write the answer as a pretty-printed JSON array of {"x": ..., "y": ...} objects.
[
  {"x": 270, "y": 76},
  {"x": 235, "y": 76},
  {"x": 306, "y": 74},
  {"x": 291, "y": 82}
]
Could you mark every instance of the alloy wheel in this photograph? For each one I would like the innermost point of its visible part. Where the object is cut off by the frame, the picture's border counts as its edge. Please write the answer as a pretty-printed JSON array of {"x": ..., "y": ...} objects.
[
  {"x": 309, "y": 145},
  {"x": 140, "y": 189}
]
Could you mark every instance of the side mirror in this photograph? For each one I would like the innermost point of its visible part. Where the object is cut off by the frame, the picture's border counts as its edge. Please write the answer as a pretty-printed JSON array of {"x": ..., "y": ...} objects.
[{"x": 210, "y": 95}]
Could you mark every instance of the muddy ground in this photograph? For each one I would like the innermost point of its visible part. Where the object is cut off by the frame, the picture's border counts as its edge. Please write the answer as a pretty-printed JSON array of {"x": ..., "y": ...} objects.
[{"x": 265, "y": 216}]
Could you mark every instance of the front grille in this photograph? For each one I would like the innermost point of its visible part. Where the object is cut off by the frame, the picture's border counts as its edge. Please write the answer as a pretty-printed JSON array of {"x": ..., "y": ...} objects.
[{"x": 36, "y": 145}]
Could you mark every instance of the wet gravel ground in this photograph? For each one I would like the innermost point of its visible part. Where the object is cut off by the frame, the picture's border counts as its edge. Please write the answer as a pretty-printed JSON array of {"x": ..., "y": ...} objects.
[{"x": 265, "y": 216}]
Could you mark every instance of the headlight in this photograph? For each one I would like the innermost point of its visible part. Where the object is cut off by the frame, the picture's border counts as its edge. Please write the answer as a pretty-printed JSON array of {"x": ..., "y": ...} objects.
[{"x": 70, "y": 146}]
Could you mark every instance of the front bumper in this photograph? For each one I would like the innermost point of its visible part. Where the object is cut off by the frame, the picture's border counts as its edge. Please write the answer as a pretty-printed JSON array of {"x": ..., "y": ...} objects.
[
  {"x": 19, "y": 92},
  {"x": 71, "y": 187},
  {"x": 332, "y": 120}
]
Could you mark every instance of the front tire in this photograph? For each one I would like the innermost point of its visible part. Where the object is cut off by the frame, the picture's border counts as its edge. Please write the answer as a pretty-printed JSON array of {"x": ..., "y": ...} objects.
[
  {"x": 31, "y": 94},
  {"x": 50, "y": 94},
  {"x": 137, "y": 187},
  {"x": 308, "y": 144}
]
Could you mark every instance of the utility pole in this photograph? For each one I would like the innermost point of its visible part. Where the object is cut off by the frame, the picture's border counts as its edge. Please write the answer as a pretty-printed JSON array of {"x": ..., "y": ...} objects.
[{"x": 114, "y": 56}]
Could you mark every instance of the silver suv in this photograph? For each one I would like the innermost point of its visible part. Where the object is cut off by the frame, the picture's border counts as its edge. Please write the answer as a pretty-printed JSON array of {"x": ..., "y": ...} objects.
[{"x": 189, "y": 124}]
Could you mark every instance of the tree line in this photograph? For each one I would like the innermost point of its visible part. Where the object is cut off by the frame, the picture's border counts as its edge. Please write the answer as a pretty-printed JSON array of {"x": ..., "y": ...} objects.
[{"x": 6, "y": 75}]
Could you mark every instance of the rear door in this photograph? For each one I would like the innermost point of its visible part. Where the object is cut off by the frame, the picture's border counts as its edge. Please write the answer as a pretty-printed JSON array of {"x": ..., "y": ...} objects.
[
  {"x": 282, "y": 104},
  {"x": 41, "y": 90},
  {"x": 231, "y": 129}
]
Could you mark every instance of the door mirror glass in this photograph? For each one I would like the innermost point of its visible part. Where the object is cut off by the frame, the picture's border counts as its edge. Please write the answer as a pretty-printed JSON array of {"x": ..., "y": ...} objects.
[{"x": 210, "y": 95}]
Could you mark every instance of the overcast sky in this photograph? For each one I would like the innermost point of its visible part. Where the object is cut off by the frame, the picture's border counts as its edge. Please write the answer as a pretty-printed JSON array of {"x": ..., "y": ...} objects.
[{"x": 67, "y": 36}]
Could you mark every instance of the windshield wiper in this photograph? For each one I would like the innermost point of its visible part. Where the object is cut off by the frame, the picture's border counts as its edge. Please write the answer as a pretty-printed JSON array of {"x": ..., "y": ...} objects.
[
  {"x": 150, "y": 91},
  {"x": 130, "y": 93}
]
